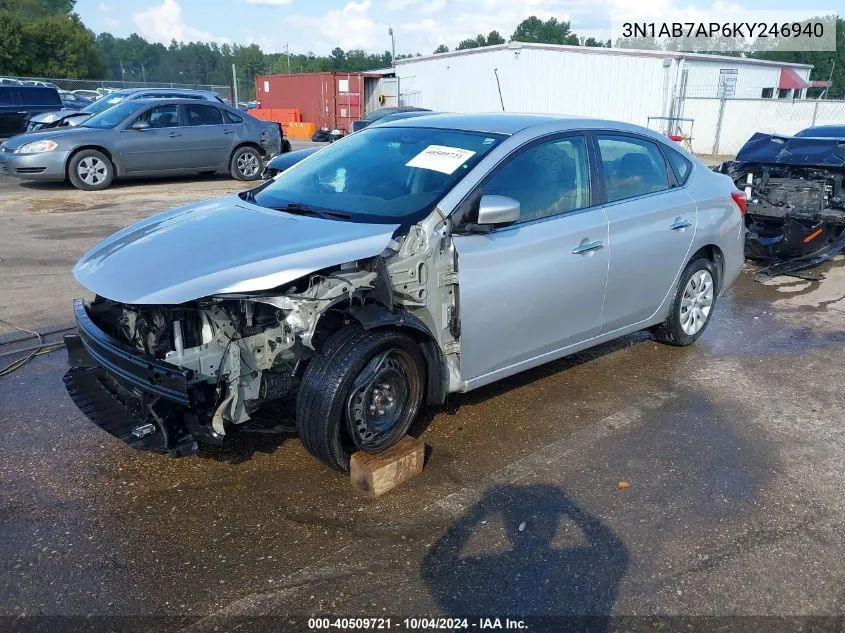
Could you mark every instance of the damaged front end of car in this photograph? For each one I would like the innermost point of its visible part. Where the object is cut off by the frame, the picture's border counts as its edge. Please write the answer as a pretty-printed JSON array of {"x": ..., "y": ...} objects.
[
  {"x": 169, "y": 377},
  {"x": 796, "y": 200}
]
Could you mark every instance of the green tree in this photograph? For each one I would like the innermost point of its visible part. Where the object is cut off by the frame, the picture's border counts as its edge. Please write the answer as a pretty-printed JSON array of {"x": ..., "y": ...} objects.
[
  {"x": 441, "y": 49},
  {"x": 470, "y": 42},
  {"x": 494, "y": 38},
  {"x": 533, "y": 29}
]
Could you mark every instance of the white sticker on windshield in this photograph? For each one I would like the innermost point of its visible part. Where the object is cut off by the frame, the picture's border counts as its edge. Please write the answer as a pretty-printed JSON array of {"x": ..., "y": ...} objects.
[{"x": 440, "y": 158}]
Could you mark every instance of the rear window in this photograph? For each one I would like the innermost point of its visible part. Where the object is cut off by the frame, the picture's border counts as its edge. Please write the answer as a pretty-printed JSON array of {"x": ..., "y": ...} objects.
[
  {"x": 6, "y": 96},
  {"x": 203, "y": 114},
  {"x": 41, "y": 96},
  {"x": 680, "y": 165}
]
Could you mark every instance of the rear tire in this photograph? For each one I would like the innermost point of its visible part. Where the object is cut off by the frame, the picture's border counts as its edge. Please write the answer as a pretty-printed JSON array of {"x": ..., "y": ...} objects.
[
  {"x": 362, "y": 391},
  {"x": 246, "y": 164},
  {"x": 90, "y": 170},
  {"x": 692, "y": 307}
]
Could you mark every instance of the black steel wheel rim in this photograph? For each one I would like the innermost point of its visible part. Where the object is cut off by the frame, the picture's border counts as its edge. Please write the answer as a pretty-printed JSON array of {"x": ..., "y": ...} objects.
[{"x": 383, "y": 400}]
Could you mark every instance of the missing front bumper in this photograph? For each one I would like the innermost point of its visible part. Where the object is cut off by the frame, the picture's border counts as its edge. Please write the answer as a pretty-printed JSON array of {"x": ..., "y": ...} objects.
[{"x": 149, "y": 404}]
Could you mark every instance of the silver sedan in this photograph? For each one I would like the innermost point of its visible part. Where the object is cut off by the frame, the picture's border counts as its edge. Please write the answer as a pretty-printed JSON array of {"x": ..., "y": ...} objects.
[
  {"x": 405, "y": 262},
  {"x": 145, "y": 137}
]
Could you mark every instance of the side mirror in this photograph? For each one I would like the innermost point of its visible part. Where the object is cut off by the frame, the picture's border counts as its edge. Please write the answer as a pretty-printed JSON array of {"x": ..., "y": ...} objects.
[
  {"x": 140, "y": 125},
  {"x": 497, "y": 210}
]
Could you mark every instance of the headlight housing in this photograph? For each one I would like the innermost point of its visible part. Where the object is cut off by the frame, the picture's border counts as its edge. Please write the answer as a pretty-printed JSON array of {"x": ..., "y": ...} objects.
[{"x": 37, "y": 147}]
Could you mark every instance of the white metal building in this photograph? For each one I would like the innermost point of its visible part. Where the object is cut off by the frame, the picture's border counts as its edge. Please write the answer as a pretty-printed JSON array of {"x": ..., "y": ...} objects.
[{"x": 623, "y": 84}]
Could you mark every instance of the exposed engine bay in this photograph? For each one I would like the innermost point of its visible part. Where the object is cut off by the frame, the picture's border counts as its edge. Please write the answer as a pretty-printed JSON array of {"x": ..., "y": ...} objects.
[
  {"x": 244, "y": 354},
  {"x": 792, "y": 211}
]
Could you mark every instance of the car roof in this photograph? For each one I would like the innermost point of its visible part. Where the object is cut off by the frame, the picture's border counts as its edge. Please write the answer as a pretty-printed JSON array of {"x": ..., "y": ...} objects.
[
  {"x": 507, "y": 123},
  {"x": 836, "y": 129},
  {"x": 189, "y": 101},
  {"x": 132, "y": 91}
]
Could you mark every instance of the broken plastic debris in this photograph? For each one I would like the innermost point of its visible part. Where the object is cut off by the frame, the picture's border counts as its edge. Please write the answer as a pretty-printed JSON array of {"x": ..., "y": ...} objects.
[
  {"x": 623, "y": 485},
  {"x": 522, "y": 526}
]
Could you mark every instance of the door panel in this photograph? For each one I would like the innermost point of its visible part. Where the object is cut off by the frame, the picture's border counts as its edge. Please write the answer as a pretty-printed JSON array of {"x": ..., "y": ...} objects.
[
  {"x": 651, "y": 229},
  {"x": 209, "y": 141},
  {"x": 160, "y": 147},
  {"x": 537, "y": 286},
  {"x": 524, "y": 293}
]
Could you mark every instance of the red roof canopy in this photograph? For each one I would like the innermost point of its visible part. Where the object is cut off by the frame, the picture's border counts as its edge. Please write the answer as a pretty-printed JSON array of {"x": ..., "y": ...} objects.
[{"x": 790, "y": 80}]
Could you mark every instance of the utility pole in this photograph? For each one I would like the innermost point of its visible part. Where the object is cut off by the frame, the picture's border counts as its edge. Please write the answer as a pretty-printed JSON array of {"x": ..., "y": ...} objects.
[
  {"x": 144, "y": 74},
  {"x": 393, "y": 60},
  {"x": 235, "y": 84},
  {"x": 122, "y": 72},
  {"x": 287, "y": 52}
]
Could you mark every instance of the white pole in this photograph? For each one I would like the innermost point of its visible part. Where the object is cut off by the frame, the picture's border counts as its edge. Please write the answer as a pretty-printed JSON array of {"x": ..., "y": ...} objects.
[{"x": 235, "y": 84}]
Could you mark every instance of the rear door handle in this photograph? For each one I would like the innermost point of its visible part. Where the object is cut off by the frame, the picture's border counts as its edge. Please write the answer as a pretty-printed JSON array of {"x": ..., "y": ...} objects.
[
  {"x": 680, "y": 224},
  {"x": 174, "y": 134},
  {"x": 228, "y": 131},
  {"x": 587, "y": 247}
]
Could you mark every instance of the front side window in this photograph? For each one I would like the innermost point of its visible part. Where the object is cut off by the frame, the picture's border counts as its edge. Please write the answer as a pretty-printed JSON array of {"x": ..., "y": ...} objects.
[
  {"x": 198, "y": 114},
  {"x": 379, "y": 175},
  {"x": 632, "y": 167},
  {"x": 547, "y": 179},
  {"x": 162, "y": 116}
]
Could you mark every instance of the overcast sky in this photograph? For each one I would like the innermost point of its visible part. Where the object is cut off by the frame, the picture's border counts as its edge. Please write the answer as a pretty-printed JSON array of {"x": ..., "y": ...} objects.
[{"x": 320, "y": 25}]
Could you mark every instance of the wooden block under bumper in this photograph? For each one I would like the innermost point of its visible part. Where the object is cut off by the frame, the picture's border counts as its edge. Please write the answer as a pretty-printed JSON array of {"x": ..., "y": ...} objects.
[{"x": 376, "y": 474}]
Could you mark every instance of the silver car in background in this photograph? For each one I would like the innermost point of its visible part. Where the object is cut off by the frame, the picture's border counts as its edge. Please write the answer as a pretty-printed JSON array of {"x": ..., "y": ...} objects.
[
  {"x": 407, "y": 261},
  {"x": 71, "y": 116},
  {"x": 145, "y": 137}
]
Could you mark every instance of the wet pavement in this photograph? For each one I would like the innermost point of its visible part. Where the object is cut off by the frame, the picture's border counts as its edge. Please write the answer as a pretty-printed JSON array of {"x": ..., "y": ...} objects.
[{"x": 633, "y": 479}]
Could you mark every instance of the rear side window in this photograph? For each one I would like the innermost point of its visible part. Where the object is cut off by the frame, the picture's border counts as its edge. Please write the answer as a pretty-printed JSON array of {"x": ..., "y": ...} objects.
[
  {"x": 231, "y": 117},
  {"x": 632, "y": 167},
  {"x": 6, "y": 96},
  {"x": 199, "y": 114},
  {"x": 680, "y": 164},
  {"x": 41, "y": 96}
]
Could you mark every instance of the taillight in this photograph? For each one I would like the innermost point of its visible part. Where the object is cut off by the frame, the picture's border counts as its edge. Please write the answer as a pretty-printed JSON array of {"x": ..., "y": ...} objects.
[{"x": 741, "y": 202}]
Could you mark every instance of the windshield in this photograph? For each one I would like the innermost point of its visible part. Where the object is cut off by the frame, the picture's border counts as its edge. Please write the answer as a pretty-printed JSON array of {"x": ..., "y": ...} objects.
[
  {"x": 832, "y": 131},
  {"x": 104, "y": 103},
  {"x": 380, "y": 175},
  {"x": 114, "y": 115}
]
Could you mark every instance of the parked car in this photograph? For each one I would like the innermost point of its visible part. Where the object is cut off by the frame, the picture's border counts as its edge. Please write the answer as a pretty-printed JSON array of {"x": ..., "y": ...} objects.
[
  {"x": 383, "y": 112},
  {"x": 795, "y": 188},
  {"x": 408, "y": 261},
  {"x": 145, "y": 137},
  {"x": 8, "y": 81},
  {"x": 90, "y": 95},
  {"x": 70, "y": 117},
  {"x": 398, "y": 116},
  {"x": 19, "y": 104},
  {"x": 285, "y": 161},
  {"x": 72, "y": 101}
]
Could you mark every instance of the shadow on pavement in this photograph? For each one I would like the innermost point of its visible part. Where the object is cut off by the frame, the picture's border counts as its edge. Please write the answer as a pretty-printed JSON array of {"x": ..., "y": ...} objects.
[{"x": 535, "y": 576}]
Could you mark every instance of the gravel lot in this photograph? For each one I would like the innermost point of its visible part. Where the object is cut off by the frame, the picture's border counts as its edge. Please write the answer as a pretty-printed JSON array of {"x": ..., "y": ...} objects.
[{"x": 634, "y": 479}]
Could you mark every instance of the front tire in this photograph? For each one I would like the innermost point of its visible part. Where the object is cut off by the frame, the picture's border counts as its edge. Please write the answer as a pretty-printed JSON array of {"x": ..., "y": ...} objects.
[
  {"x": 362, "y": 391},
  {"x": 90, "y": 170},
  {"x": 692, "y": 307},
  {"x": 246, "y": 164}
]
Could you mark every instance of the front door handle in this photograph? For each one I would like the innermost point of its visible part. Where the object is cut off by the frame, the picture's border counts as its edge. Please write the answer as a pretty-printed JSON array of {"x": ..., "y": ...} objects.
[
  {"x": 174, "y": 134},
  {"x": 587, "y": 247},
  {"x": 680, "y": 224}
]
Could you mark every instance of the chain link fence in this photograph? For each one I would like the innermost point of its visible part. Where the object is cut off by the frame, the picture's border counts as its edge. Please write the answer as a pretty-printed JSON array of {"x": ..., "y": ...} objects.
[
  {"x": 101, "y": 85},
  {"x": 722, "y": 126}
]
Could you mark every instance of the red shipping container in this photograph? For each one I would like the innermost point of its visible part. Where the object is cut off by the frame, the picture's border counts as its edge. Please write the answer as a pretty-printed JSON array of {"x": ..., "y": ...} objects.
[{"x": 329, "y": 99}]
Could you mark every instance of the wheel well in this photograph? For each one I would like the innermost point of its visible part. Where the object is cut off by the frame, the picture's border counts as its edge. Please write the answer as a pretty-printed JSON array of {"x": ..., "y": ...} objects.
[
  {"x": 714, "y": 254},
  {"x": 374, "y": 317},
  {"x": 254, "y": 146},
  {"x": 97, "y": 148}
]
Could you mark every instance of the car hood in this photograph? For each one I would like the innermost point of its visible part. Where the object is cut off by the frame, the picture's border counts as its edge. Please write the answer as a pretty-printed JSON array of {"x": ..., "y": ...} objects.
[
  {"x": 55, "y": 134},
  {"x": 58, "y": 115},
  {"x": 221, "y": 246},
  {"x": 793, "y": 150}
]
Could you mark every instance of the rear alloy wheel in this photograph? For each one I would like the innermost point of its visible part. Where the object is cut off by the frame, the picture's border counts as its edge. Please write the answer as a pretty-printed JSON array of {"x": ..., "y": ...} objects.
[
  {"x": 90, "y": 170},
  {"x": 362, "y": 391},
  {"x": 246, "y": 164},
  {"x": 693, "y": 305}
]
